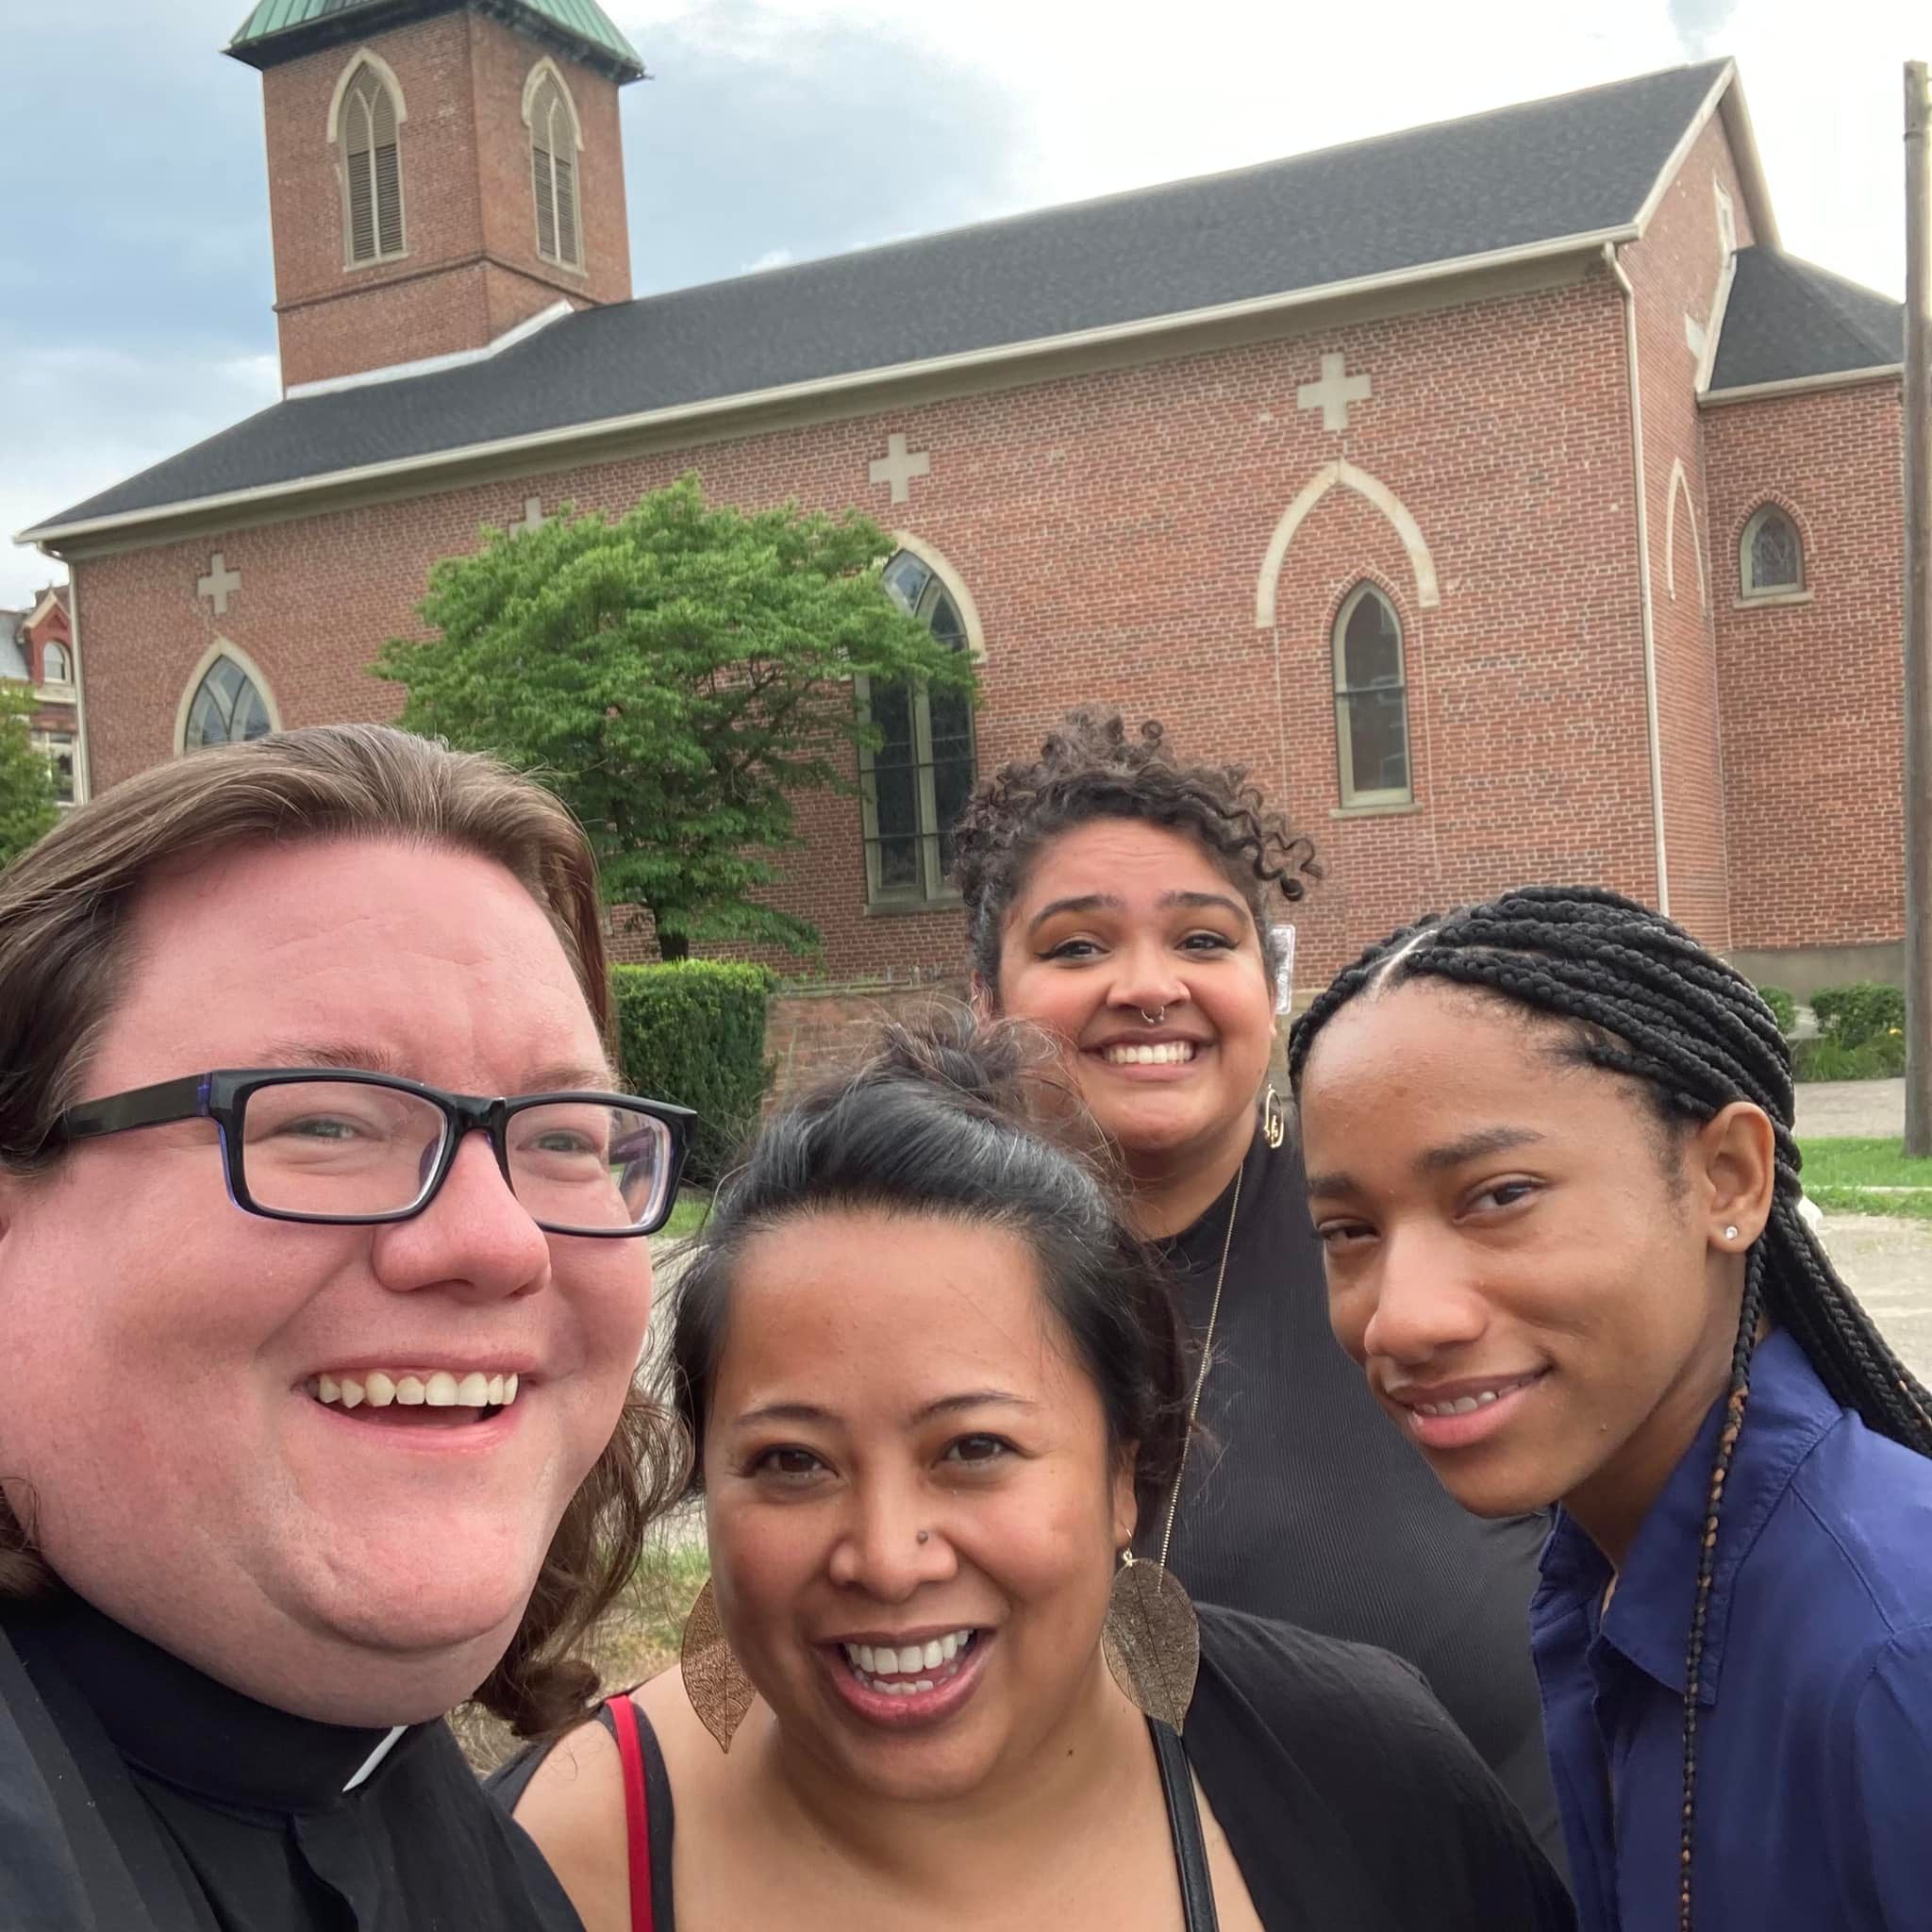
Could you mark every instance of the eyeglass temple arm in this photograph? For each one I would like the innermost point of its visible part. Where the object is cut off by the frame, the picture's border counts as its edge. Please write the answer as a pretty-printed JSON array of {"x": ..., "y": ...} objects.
[{"x": 185, "y": 1099}]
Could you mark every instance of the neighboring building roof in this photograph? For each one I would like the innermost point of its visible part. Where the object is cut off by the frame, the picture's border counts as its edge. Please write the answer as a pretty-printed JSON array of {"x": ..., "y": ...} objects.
[
  {"x": 278, "y": 31},
  {"x": 1544, "y": 179},
  {"x": 1787, "y": 321}
]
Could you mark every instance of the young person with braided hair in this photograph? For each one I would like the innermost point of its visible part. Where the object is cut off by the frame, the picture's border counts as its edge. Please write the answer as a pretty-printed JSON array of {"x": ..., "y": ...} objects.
[{"x": 1549, "y": 1153}]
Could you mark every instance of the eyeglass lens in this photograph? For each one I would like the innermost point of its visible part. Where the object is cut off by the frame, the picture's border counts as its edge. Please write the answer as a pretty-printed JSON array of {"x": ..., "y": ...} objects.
[{"x": 339, "y": 1147}]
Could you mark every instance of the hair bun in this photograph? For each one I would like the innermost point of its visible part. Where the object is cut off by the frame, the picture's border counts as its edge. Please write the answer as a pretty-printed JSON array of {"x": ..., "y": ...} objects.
[{"x": 1005, "y": 1068}]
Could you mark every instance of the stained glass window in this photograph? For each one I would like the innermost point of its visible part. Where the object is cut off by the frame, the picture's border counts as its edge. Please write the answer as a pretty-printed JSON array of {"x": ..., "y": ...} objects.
[
  {"x": 226, "y": 707},
  {"x": 1773, "y": 561}
]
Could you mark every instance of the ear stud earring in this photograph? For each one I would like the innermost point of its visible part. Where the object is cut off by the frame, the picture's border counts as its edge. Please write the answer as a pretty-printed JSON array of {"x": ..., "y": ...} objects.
[{"x": 1731, "y": 1234}]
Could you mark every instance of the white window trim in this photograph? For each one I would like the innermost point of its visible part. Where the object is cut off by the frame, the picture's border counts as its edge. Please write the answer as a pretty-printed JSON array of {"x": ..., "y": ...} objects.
[
  {"x": 66, "y": 651},
  {"x": 223, "y": 647},
  {"x": 1771, "y": 593},
  {"x": 1353, "y": 799}
]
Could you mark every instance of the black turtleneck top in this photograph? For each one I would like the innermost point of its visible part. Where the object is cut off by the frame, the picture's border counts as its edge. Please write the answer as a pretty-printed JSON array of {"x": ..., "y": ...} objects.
[
  {"x": 138, "y": 1795},
  {"x": 1303, "y": 1501}
]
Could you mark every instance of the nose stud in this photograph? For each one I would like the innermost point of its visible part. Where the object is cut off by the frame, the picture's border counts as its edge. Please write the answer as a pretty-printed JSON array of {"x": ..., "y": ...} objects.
[
  {"x": 925, "y": 1535},
  {"x": 1154, "y": 1019}
]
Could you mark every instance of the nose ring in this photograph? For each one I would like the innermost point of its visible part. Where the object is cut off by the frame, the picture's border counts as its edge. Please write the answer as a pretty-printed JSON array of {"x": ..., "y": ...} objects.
[
  {"x": 925, "y": 1535},
  {"x": 1154, "y": 1019}
]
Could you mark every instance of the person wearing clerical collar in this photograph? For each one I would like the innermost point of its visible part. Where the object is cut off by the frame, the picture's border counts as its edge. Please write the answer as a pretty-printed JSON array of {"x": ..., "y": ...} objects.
[
  {"x": 321, "y": 1296},
  {"x": 1550, "y": 1159}
]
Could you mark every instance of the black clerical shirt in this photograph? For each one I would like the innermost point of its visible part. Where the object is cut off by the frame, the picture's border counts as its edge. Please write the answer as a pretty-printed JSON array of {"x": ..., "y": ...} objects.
[
  {"x": 1305, "y": 1504},
  {"x": 138, "y": 1795}
]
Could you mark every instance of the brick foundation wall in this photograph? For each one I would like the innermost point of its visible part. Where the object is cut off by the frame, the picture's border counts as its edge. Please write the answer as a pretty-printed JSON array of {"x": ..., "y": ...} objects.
[{"x": 812, "y": 1034}]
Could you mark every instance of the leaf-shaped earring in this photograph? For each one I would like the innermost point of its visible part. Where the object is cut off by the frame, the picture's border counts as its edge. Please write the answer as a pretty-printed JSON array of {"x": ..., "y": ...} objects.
[
  {"x": 714, "y": 1680},
  {"x": 1151, "y": 1639}
]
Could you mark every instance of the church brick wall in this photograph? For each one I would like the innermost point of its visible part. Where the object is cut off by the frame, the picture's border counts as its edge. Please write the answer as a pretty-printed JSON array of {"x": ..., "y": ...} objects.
[
  {"x": 1812, "y": 692},
  {"x": 1111, "y": 526},
  {"x": 1675, "y": 271},
  {"x": 472, "y": 270}
]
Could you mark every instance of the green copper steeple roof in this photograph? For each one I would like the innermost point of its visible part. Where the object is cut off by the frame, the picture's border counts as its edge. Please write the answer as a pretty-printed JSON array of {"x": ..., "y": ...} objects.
[{"x": 276, "y": 30}]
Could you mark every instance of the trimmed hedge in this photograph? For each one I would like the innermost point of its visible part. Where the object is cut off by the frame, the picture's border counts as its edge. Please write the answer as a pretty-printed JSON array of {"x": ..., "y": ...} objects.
[
  {"x": 694, "y": 1032},
  {"x": 1784, "y": 1008},
  {"x": 1856, "y": 1015}
]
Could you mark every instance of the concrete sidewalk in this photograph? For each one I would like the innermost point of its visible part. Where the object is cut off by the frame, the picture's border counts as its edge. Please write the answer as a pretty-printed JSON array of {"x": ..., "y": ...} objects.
[{"x": 1851, "y": 1109}]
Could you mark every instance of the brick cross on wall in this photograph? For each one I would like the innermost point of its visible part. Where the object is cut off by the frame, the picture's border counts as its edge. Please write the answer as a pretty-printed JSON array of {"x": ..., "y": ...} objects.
[
  {"x": 218, "y": 583},
  {"x": 898, "y": 467},
  {"x": 1333, "y": 394}
]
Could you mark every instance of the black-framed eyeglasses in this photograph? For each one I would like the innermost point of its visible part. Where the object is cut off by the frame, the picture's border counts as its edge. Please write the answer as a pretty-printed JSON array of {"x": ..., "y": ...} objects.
[{"x": 303, "y": 1144}]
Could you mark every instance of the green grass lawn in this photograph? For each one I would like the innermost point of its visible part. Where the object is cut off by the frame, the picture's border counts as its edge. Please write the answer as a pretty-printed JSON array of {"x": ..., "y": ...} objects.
[
  {"x": 694, "y": 1204},
  {"x": 1840, "y": 1176}
]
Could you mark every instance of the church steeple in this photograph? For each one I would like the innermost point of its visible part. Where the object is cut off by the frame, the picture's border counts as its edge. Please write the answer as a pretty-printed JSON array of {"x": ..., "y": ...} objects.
[{"x": 441, "y": 172}]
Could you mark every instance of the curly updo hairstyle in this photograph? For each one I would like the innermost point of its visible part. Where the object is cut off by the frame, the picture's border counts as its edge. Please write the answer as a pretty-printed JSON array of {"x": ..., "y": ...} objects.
[{"x": 1092, "y": 767}]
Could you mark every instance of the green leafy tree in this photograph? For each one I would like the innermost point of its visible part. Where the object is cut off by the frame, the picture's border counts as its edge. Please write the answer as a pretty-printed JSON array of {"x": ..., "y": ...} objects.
[
  {"x": 29, "y": 802},
  {"x": 678, "y": 676}
]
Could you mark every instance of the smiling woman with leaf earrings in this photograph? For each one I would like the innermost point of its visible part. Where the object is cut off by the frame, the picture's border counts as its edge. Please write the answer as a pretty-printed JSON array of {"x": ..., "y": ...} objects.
[
  {"x": 1124, "y": 898},
  {"x": 934, "y": 1382}
]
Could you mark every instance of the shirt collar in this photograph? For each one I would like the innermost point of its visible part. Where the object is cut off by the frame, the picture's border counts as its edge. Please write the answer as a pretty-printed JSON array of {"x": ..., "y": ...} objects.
[
  {"x": 1649, "y": 1617},
  {"x": 169, "y": 1720}
]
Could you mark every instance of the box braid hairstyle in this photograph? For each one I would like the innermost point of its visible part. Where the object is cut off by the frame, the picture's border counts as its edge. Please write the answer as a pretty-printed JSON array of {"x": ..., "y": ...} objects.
[
  {"x": 1090, "y": 768},
  {"x": 1647, "y": 1001}
]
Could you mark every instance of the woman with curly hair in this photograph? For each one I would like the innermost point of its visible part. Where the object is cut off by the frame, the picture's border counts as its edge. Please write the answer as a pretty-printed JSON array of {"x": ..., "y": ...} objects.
[{"x": 1123, "y": 898}]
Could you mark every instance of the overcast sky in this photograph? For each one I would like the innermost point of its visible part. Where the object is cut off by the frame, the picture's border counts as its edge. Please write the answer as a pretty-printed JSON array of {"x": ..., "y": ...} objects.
[{"x": 135, "y": 278}]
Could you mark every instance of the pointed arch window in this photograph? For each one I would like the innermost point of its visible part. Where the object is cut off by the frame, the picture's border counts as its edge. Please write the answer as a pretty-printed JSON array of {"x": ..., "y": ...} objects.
[
  {"x": 371, "y": 169},
  {"x": 1771, "y": 558},
  {"x": 1370, "y": 700},
  {"x": 554, "y": 175},
  {"x": 227, "y": 708},
  {"x": 914, "y": 784}
]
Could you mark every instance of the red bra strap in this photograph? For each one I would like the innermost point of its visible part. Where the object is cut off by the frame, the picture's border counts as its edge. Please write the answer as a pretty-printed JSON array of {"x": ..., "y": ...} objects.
[{"x": 637, "y": 1810}]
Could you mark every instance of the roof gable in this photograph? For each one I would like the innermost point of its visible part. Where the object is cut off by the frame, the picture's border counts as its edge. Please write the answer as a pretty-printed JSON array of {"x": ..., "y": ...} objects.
[
  {"x": 1788, "y": 321},
  {"x": 1546, "y": 177}
]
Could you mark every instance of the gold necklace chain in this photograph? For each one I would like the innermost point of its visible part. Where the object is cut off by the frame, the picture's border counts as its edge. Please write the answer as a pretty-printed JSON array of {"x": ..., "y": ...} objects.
[{"x": 1174, "y": 1503}]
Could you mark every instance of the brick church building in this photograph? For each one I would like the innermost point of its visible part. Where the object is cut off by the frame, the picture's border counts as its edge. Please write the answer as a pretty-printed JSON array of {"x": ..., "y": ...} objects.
[{"x": 1498, "y": 491}]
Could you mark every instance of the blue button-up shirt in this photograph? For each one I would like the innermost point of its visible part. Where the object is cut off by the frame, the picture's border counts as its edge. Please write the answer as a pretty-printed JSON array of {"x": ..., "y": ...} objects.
[{"x": 1814, "y": 1739}]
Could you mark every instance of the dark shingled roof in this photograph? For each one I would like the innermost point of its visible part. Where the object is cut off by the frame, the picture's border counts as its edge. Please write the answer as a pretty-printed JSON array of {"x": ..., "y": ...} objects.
[
  {"x": 1786, "y": 319},
  {"x": 1573, "y": 166}
]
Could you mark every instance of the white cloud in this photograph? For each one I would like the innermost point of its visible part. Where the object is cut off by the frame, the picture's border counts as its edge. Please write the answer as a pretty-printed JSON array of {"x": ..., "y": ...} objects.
[
  {"x": 772, "y": 257},
  {"x": 92, "y": 417}
]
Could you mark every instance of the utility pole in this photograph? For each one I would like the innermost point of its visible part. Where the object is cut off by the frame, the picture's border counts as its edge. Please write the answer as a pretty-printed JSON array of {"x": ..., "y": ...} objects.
[{"x": 1917, "y": 775}]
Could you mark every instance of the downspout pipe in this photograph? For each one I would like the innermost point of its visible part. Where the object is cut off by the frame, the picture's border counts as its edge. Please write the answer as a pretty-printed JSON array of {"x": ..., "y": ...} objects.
[{"x": 1644, "y": 586}]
